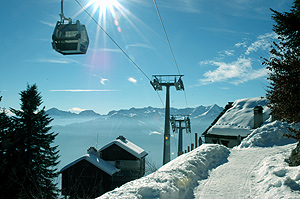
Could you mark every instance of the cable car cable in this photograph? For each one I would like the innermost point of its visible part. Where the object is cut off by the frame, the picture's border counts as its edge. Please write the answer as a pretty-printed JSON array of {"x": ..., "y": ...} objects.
[
  {"x": 118, "y": 47},
  {"x": 158, "y": 13},
  {"x": 114, "y": 41},
  {"x": 164, "y": 29},
  {"x": 159, "y": 16}
]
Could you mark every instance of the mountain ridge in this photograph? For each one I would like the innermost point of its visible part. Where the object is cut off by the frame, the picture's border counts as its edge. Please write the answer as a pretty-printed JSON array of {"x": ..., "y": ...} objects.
[
  {"x": 198, "y": 111},
  {"x": 55, "y": 112}
]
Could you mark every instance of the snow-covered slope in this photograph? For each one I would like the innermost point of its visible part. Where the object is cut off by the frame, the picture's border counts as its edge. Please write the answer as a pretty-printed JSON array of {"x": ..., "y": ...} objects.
[
  {"x": 177, "y": 179},
  {"x": 252, "y": 173},
  {"x": 255, "y": 169}
]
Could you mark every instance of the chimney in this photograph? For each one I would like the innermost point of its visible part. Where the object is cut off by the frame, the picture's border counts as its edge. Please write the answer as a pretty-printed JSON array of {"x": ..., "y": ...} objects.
[
  {"x": 93, "y": 150},
  {"x": 258, "y": 116},
  {"x": 121, "y": 137}
]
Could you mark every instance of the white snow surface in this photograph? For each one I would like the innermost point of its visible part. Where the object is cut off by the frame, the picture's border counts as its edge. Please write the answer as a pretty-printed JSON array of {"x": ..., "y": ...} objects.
[
  {"x": 177, "y": 179},
  {"x": 268, "y": 135},
  {"x": 255, "y": 169},
  {"x": 238, "y": 120},
  {"x": 259, "y": 173}
]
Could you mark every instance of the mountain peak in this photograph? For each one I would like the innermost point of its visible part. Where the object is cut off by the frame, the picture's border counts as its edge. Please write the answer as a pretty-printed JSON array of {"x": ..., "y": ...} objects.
[
  {"x": 89, "y": 113},
  {"x": 56, "y": 112}
]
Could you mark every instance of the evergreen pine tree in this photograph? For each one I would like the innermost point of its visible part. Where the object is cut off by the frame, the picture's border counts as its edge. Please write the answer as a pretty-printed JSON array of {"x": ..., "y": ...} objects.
[
  {"x": 35, "y": 159},
  {"x": 284, "y": 76},
  {"x": 288, "y": 25},
  {"x": 8, "y": 184}
]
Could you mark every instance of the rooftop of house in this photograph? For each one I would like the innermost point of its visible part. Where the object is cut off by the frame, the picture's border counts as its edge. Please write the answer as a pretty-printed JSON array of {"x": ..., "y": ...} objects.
[
  {"x": 239, "y": 119},
  {"x": 128, "y": 146},
  {"x": 96, "y": 161}
]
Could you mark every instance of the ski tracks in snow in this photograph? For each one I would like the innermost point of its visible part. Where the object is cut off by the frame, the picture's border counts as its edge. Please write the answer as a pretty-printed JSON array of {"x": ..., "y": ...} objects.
[{"x": 233, "y": 180}]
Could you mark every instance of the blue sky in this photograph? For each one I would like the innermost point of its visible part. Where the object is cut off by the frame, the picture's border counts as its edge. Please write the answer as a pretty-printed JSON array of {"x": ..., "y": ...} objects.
[{"x": 217, "y": 44}]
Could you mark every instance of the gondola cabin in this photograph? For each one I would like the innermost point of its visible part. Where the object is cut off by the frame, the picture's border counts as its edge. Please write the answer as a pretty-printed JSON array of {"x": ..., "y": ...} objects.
[{"x": 70, "y": 38}]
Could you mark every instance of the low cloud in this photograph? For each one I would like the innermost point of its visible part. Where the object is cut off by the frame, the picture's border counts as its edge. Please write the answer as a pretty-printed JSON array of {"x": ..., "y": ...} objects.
[
  {"x": 48, "y": 23},
  {"x": 131, "y": 79},
  {"x": 113, "y": 50},
  {"x": 263, "y": 42},
  {"x": 140, "y": 45},
  {"x": 155, "y": 133},
  {"x": 241, "y": 69},
  {"x": 77, "y": 110},
  {"x": 56, "y": 61},
  {"x": 235, "y": 72},
  {"x": 226, "y": 53},
  {"x": 102, "y": 81},
  {"x": 81, "y": 90},
  {"x": 241, "y": 44},
  {"x": 187, "y": 6}
]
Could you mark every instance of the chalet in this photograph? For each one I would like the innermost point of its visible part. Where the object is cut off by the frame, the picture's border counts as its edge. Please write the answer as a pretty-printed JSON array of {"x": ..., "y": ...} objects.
[
  {"x": 127, "y": 157},
  {"x": 236, "y": 121},
  {"x": 100, "y": 171}
]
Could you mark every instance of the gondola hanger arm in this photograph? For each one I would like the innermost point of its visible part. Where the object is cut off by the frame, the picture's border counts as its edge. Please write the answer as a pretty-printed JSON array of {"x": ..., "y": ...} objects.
[{"x": 62, "y": 16}]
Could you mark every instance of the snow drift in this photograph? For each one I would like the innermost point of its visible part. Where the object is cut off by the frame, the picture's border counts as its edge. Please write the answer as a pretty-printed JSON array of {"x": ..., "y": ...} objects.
[
  {"x": 176, "y": 179},
  {"x": 268, "y": 135},
  {"x": 274, "y": 178}
]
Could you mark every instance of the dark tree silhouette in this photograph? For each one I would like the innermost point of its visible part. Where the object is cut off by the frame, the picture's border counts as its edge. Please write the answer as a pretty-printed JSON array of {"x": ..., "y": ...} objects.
[
  {"x": 284, "y": 76},
  {"x": 30, "y": 159}
]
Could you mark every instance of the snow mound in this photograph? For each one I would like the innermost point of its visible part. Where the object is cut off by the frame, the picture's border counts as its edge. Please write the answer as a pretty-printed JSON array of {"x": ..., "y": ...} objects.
[
  {"x": 276, "y": 179},
  {"x": 269, "y": 135},
  {"x": 177, "y": 178}
]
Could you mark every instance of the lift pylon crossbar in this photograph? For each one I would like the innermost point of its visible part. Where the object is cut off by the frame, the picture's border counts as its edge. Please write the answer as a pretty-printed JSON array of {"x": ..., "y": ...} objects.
[
  {"x": 167, "y": 80},
  {"x": 176, "y": 123},
  {"x": 175, "y": 119}
]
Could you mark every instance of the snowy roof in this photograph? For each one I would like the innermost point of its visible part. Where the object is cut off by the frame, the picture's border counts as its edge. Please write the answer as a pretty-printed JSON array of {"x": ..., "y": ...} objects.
[
  {"x": 96, "y": 161},
  {"x": 239, "y": 119},
  {"x": 128, "y": 146}
]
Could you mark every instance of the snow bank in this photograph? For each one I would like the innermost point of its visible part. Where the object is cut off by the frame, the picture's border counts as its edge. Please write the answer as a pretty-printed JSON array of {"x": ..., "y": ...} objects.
[
  {"x": 276, "y": 179},
  {"x": 177, "y": 178},
  {"x": 268, "y": 135}
]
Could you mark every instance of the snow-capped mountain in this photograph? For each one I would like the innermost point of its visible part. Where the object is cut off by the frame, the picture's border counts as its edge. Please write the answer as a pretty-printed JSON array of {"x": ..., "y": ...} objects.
[
  {"x": 89, "y": 113},
  {"x": 54, "y": 112},
  {"x": 200, "y": 111},
  {"x": 67, "y": 117},
  {"x": 149, "y": 114}
]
